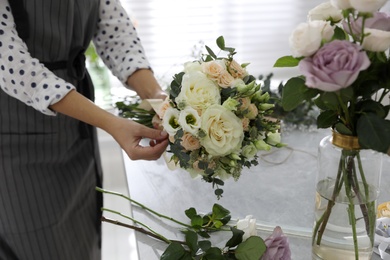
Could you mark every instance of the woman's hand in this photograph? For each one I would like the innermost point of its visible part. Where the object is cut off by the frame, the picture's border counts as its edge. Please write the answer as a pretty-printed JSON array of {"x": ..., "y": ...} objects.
[{"x": 130, "y": 135}]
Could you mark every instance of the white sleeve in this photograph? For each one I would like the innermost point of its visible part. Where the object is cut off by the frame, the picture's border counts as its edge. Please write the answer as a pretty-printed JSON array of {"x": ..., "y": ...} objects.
[
  {"x": 22, "y": 76},
  {"x": 117, "y": 42}
]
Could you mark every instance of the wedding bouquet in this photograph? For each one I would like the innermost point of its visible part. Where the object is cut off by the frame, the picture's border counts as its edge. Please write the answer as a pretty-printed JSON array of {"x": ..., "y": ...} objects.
[
  {"x": 216, "y": 117},
  {"x": 341, "y": 53}
]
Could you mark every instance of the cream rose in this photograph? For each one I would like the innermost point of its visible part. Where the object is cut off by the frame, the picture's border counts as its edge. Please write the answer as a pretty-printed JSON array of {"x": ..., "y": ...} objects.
[
  {"x": 225, "y": 80},
  {"x": 190, "y": 142},
  {"x": 189, "y": 120},
  {"x": 223, "y": 131},
  {"x": 214, "y": 69},
  {"x": 325, "y": 12},
  {"x": 306, "y": 39},
  {"x": 198, "y": 92},
  {"x": 236, "y": 70}
]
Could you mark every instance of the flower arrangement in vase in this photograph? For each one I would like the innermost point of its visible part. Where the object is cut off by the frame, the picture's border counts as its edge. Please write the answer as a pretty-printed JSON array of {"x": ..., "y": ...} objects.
[{"x": 341, "y": 53}]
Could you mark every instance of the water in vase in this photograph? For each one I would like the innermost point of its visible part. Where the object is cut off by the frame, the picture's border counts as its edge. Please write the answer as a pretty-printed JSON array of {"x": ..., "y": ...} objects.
[{"x": 337, "y": 240}]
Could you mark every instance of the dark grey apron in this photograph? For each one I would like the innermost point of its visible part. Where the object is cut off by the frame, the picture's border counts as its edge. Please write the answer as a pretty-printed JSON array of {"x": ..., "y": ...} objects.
[{"x": 49, "y": 165}]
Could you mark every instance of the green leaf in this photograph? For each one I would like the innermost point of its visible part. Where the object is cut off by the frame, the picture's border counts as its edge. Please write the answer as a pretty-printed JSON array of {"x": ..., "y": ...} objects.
[
  {"x": 220, "y": 212},
  {"x": 251, "y": 249},
  {"x": 339, "y": 34},
  {"x": 326, "y": 119},
  {"x": 210, "y": 51},
  {"x": 192, "y": 241},
  {"x": 293, "y": 93},
  {"x": 196, "y": 221},
  {"x": 204, "y": 245},
  {"x": 213, "y": 253},
  {"x": 236, "y": 238},
  {"x": 342, "y": 129},
  {"x": 330, "y": 100},
  {"x": 174, "y": 251},
  {"x": 286, "y": 61},
  {"x": 221, "y": 42},
  {"x": 374, "y": 132},
  {"x": 371, "y": 106},
  {"x": 190, "y": 213}
]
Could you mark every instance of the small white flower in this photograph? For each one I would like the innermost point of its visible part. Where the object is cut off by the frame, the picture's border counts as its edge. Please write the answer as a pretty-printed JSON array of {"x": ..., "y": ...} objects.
[
  {"x": 171, "y": 121},
  {"x": 248, "y": 225},
  {"x": 189, "y": 120}
]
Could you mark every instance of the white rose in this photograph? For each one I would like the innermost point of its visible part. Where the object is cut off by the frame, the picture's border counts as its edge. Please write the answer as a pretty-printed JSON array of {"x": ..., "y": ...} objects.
[
  {"x": 192, "y": 66},
  {"x": 325, "y": 12},
  {"x": 248, "y": 225},
  {"x": 198, "y": 91},
  {"x": 367, "y": 6},
  {"x": 171, "y": 121},
  {"x": 223, "y": 131},
  {"x": 376, "y": 40},
  {"x": 341, "y": 4},
  {"x": 189, "y": 120},
  {"x": 306, "y": 39}
]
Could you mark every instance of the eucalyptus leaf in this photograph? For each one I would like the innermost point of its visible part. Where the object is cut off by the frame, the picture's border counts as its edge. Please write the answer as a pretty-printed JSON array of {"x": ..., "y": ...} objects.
[
  {"x": 210, "y": 51},
  {"x": 342, "y": 129},
  {"x": 197, "y": 221},
  {"x": 339, "y": 34},
  {"x": 221, "y": 42},
  {"x": 251, "y": 249}
]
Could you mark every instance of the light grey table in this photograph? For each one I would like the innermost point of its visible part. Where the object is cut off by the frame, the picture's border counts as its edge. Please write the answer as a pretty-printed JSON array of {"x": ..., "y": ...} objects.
[{"x": 278, "y": 192}]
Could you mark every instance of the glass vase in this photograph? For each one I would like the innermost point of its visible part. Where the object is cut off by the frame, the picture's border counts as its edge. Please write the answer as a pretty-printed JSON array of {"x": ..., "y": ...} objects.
[{"x": 347, "y": 188}]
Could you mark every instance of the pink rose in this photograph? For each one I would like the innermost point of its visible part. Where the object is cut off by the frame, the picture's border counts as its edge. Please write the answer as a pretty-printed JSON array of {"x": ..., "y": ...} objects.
[
  {"x": 277, "y": 246},
  {"x": 236, "y": 70},
  {"x": 190, "y": 142},
  {"x": 335, "y": 66}
]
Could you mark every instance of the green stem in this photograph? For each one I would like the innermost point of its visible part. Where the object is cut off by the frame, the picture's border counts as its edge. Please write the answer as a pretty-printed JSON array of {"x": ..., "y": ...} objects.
[
  {"x": 138, "y": 229},
  {"x": 345, "y": 111},
  {"x": 320, "y": 226},
  {"x": 140, "y": 223},
  {"x": 347, "y": 176},
  {"x": 143, "y": 206}
]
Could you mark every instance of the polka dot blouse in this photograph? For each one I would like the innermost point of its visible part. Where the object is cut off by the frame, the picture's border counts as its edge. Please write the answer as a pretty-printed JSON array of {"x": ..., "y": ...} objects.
[{"x": 25, "y": 78}]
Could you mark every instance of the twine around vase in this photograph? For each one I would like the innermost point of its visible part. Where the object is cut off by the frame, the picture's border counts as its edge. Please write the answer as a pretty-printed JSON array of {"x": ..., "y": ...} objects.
[{"x": 347, "y": 142}]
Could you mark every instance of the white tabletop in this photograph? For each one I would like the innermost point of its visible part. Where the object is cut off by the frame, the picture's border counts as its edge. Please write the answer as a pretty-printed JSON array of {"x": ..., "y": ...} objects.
[{"x": 280, "y": 191}]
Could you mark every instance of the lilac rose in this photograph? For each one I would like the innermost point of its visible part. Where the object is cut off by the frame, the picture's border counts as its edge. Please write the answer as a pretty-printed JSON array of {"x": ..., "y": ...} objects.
[
  {"x": 277, "y": 246},
  {"x": 335, "y": 66}
]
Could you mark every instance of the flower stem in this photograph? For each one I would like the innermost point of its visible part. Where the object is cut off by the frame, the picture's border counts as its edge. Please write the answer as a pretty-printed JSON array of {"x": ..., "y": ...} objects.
[
  {"x": 140, "y": 223},
  {"x": 143, "y": 206},
  {"x": 138, "y": 229}
]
